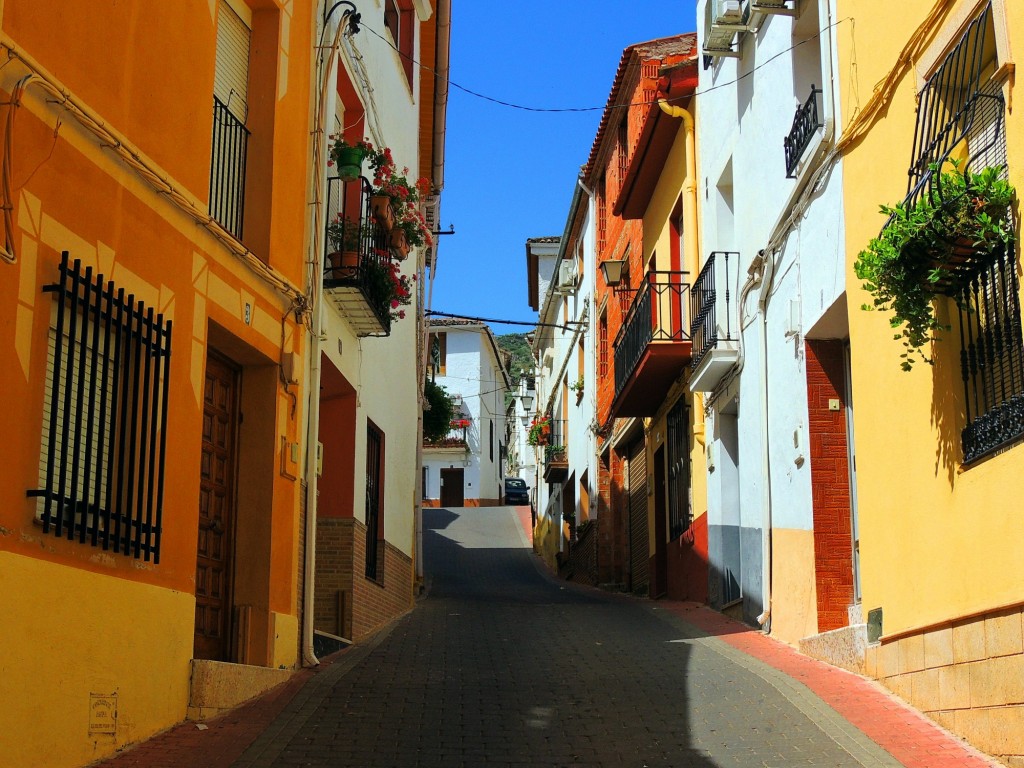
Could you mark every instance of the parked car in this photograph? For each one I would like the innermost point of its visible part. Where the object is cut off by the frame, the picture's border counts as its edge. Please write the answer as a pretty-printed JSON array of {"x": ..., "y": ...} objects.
[{"x": 516, "y": 491}]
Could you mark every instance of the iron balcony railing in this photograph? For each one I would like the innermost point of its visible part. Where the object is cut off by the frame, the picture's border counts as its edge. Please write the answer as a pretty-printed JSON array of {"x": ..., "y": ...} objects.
[
  {"x": 657, "y": 313},
  {"x": 711, "y": 310},
  {"x": 357, "y": 247},
  {"x": 556, "y": 450},
  {"x": 455, "y": 437},
  {"x": 805, "y": 123},
  {"x": 227, "y": 168}
]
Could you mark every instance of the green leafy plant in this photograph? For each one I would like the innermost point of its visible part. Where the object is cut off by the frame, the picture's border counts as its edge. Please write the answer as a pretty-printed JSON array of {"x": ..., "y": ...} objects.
[
  {"x": 437, "y": 419},
  {"x": 577, "y": 386},
  {"x": 554, "y": 453},
  {"x": 909, "y": 264}
]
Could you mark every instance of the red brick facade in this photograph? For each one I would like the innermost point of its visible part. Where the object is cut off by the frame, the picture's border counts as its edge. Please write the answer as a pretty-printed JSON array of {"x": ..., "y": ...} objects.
[
  {"x": 830, "y": 482},
  {"x": 346, "y": 602}
]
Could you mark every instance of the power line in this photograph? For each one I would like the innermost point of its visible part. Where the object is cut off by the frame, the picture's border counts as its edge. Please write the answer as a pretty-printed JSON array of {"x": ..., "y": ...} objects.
[
  {"x": 529, "y": 108},
  {"x": 531, "y": 323}
]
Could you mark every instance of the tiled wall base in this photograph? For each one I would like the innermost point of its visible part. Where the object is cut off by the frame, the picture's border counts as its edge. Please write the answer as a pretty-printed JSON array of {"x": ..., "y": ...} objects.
[
  {"x": 967, "y": 675},
  {"x": 844, "y": 647}
]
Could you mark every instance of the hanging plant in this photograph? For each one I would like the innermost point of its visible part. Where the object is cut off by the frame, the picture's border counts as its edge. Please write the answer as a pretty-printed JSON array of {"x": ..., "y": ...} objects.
[{"x": 928, "y": 246}]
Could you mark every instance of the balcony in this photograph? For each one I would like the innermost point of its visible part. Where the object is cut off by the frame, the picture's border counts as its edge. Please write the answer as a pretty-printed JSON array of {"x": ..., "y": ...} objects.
[
  {"x": 806, "y": 122},
  {"x": 357, "y": 259},
  {"x": 713, "y": 327},
  {"x": 227, "y": 168},
  {"x": 456, "y": 437},
  {"x": 652, "y": 348},
  {"x": 556, "y": 453}
]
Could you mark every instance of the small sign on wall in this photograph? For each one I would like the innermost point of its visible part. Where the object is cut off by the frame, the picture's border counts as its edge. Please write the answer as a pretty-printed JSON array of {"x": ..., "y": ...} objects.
[{"x": 102, "y": 713}]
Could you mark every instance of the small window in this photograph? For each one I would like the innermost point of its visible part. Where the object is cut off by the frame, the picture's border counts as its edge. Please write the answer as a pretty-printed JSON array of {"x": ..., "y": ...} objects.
[
  {"x": 400, "y": 21},
  {"x": 438, "y": 353},
  {"x": 374, "y": 503}
]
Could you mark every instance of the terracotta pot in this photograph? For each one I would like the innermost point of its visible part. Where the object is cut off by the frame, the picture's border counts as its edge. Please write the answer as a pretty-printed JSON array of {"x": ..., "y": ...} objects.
[
  {"x": 344, "y": 264},
  {"x": 382, "y": 211},
  {"x": 399, "y": 244}
]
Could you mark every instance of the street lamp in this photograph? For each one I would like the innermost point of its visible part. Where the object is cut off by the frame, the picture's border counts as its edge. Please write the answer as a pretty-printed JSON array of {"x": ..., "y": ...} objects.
[
  {"x": 527, "y": 401},
  {"x": 612, "y": 271}
]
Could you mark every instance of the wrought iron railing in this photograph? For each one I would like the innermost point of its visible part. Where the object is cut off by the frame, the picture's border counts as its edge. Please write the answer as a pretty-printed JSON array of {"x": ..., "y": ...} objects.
[
  {"x": 357, "y": 247},
  {"x": 556, "y": 451},
  {"x": 455, "y": 437},
  {"x": 711, "y": 309},
  {"x": 805, "y": 123},
  {"x": 105, "y": 431},
  {"x": 657, "y": 313},
  {"x": 227, "y": 168}
]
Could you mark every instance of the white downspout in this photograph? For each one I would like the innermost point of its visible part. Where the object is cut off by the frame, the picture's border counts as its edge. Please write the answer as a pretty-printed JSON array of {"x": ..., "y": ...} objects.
[{"x": 313, "y": 377}]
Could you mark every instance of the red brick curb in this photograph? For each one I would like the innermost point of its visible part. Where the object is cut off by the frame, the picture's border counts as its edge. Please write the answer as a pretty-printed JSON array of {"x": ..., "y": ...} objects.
[
  {"x": 900, "y": 730},
  {"x": 223, "y": 740}
]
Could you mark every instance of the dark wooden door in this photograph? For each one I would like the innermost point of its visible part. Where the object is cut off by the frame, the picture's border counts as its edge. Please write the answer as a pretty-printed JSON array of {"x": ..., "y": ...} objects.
[
  {"x": 452, "y": 491},
  {"x": 216, "y": 510}
]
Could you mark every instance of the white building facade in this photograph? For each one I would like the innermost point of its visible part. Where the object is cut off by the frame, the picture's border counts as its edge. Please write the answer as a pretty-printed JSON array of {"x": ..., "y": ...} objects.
[
  {"x": 771, "y": 304},
  {"x": 467, "y": 468}
]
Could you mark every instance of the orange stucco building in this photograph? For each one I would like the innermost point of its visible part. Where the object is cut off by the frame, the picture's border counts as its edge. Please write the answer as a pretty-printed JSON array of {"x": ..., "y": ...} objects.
[{"x": 150, "y": 510}]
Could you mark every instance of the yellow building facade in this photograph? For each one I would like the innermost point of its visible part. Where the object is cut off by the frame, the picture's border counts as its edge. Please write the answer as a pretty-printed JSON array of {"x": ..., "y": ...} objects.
[
  {"x": 926, "y": 85},
  {"x": 153, "y": 285}
]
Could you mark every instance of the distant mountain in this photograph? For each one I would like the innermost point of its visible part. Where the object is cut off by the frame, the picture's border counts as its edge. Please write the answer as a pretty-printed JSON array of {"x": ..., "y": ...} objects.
[{"x": 522, "y": 356}]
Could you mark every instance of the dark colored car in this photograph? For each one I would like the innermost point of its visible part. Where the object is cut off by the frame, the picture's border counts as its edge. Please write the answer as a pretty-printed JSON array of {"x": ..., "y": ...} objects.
[{"x": 516, "y": 491}]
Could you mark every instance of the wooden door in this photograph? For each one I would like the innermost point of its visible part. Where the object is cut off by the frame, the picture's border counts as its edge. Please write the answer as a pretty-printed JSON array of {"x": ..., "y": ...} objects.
[
  {"x": 452, "y": 490},
  {"x": 216, "y": 510}
]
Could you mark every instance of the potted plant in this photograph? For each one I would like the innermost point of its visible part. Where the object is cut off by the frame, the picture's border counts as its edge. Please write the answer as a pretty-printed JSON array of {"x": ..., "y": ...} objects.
[
  {"x": 554, "y": 453},
  {"x": 392, "y": 188},
  {"x": 577, "y": 387},
  {"x": 344, "y": 236},
  {"x": 347, "y": 158},
  {"x": 387, "y": 287},
  {"x": 927, "y": 244},
  {"x": 540, "y": 430}
]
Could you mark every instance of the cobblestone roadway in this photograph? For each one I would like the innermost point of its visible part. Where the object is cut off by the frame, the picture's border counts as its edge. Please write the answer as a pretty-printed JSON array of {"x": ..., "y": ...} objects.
[{"x": 502, "y": 666}]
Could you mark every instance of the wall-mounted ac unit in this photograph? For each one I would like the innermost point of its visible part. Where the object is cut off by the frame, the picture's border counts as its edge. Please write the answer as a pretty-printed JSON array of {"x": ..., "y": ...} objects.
[
  {"x": 778, "y": 7},
  {"x": 567, "y": 275},
  {"x": 725, "y": 19}
]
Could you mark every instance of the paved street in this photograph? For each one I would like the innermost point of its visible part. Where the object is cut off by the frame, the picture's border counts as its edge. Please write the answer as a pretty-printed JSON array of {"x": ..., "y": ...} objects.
[{"x": 502, "y": 665}]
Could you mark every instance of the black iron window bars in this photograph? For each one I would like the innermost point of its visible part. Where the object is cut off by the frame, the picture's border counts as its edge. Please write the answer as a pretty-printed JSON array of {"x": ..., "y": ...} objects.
[
  {"x": 961, "y": 115},
  {"x": 227, "y": 168},
  {"x": 715, "y": 276},
  {"x": 805, "y": 122},
  {"x": 105, "y": 431},
  {"x": 680, "y": 515}
]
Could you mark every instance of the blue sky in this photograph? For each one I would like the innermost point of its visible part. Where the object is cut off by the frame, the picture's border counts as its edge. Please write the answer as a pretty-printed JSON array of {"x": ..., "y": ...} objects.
[{"x": 509, "y": 173}]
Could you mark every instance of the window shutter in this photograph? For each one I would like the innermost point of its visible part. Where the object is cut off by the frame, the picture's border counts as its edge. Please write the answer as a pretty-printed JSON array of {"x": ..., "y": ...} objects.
[{"x": 231, "y": 77}]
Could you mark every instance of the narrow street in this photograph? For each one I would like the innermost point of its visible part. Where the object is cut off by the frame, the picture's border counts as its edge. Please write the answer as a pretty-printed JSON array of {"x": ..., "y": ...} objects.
[{"x": 502, "y": 665}]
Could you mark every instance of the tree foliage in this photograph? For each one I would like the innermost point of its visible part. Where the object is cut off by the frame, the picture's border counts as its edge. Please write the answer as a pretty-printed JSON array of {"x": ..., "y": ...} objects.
[{"x": 437, "y": 418}]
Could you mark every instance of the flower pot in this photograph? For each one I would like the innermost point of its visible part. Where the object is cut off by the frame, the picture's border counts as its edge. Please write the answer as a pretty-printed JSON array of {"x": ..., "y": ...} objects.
[
  {"x": 382, "y": 211},
  {"x": 350, "y": 162},
  {"x": 399, "y": 243},
  {"x": 344, "y": 264}
]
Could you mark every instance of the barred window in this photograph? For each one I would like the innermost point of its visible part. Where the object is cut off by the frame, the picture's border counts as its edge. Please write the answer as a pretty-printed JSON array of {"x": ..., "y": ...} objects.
[
  {"x": 961, "y": 119},
  {"x": 101, "y": 466},
  {"x": 677, "y": 439}
]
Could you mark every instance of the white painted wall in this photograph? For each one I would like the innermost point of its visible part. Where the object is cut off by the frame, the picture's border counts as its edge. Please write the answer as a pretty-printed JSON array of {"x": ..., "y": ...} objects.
[{"x": 746, "y": 109}]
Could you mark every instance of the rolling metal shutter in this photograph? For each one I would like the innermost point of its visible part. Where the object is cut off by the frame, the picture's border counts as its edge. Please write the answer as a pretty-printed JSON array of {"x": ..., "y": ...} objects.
[
  {"x": 638, "y": 549},
  {"x": 231, "y": 77}
]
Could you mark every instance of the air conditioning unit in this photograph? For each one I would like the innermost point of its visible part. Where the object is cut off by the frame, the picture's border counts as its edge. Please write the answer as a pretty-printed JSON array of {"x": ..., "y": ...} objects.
[
  {"x": 725, "y": 19},
  {"x": 567, "y": 275},
  {"x": 728, "y": 12},
  {"x": 778, "y": 7}
]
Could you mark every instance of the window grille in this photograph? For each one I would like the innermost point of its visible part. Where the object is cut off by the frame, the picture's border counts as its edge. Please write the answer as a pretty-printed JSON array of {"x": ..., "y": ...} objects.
[
  {"x": 230, "y": 109},
  {"x": 374, "y": 498},
  {"x": 961, "y": 116},
  {"x": 602, "y": 347},
  {"x": 105, "y": 417},
  {"x": 602, "y": 219},
  {"x": 679, "y": 513}
]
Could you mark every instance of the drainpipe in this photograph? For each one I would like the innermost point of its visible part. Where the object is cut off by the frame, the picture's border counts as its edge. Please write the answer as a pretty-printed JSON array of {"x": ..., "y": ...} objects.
[
  {"x": 689, "y": 185},
  {"x": 316, "y": 325},
  {"x": 764, "y": 619}
]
